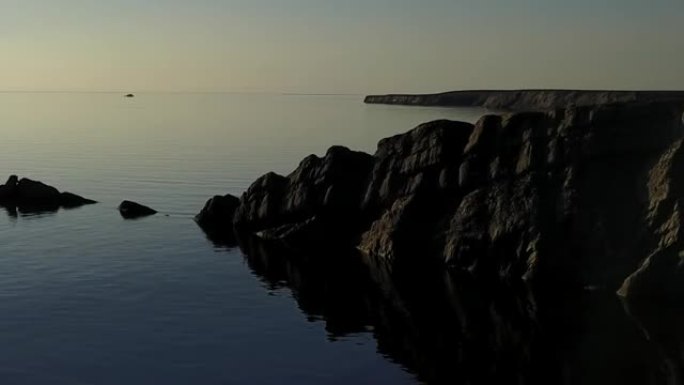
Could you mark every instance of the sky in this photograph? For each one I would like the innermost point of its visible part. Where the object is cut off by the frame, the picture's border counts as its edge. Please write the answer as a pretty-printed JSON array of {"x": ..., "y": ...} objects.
[{"x": 341, "y": 46}]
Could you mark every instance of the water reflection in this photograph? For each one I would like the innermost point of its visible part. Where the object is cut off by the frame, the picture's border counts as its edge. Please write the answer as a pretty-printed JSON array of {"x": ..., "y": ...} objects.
[
  {"x": 11, "y": 211},
  {"x": 451, "y": 329},
  {"x": 661, "y": 325},
  {"x": 14, "y": 211}
]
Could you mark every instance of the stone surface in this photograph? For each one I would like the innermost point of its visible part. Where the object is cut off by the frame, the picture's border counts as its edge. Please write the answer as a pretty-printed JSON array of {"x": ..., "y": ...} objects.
[
  {"x": 328, "y": 189},
  {"x": 134, "y": 210},
  {"x": 216, "y": 218},
  {"x": 565, "y": 199},
  {"x": 28, "y": 195}
]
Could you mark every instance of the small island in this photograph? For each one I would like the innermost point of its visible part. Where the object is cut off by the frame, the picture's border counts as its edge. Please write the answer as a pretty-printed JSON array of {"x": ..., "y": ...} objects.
[{"x": 129, "y": 96}]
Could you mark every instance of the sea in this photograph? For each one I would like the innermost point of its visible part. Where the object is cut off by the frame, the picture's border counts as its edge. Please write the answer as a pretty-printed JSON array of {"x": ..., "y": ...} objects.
[{"x": 87, "y": 297}]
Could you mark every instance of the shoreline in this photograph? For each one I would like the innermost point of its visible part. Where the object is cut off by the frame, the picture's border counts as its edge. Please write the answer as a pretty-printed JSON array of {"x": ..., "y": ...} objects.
[{"x": 524, "y": 99}]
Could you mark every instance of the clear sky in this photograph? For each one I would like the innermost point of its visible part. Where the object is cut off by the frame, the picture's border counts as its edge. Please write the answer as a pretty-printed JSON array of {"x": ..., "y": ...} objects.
[{"x": 340, "y": 46}]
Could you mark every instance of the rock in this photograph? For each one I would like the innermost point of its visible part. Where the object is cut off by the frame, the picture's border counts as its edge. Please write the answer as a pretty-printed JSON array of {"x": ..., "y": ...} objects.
[
  {"x": 34, "y": 191},
  {"x": 216, "y": 218},
  {"x": 33, "y": 196},
  {"x": 328, "y": 188},
  {"x": 133, "y": 210},
  {"x": 70, "y": 200},
  {"x": 562, "y": 200},
  {"x": 129, "y": 96},
  {"x": 409, "y": 188},
  {"x": 8, "y": 190}
]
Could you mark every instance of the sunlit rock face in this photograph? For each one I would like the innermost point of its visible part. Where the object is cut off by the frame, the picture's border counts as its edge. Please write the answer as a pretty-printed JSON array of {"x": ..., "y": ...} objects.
[{"x": 571, "y": 198}]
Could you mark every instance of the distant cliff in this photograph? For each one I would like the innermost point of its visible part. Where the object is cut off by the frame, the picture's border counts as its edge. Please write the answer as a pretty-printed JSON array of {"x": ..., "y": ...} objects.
[{"x": 525, "y": 99}]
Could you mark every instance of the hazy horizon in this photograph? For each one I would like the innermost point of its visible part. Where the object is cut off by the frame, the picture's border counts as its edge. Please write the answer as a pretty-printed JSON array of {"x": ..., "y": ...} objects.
[{"x": 355, "y": 47}]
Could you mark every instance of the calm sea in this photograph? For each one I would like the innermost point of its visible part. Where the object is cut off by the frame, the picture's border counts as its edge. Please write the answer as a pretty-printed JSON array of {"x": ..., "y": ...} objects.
[{"x": 88, "y": 298}]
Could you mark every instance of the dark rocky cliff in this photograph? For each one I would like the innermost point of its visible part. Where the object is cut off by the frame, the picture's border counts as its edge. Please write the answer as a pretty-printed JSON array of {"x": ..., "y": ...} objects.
[
  {"x": 573, "y": 198},
  {"x": 528, "y": 100}
]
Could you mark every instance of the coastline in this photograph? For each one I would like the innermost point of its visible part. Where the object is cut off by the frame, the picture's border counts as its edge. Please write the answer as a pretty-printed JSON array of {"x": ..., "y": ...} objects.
[{"x": 525, "y": 99}]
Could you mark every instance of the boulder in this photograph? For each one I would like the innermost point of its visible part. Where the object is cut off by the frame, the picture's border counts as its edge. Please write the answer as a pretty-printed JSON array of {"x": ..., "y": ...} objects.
[
  {"x": 329, "y": 188},
  {"x": 8, "y": 191},
  {"x": 33, "y": 196},
  {"x": 216, "y": 218},
  {"x": 133, "y": 210},
  {"x": 34, "y": 191},
  {"x": 70, "y": 200}
]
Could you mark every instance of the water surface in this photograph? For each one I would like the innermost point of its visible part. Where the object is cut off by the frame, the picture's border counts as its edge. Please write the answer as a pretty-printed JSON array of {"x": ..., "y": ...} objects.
[{"x": 88, "y": 298}]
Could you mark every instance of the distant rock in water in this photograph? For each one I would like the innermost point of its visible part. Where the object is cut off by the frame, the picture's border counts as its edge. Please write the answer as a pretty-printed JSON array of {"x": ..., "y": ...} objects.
[
  {"x": 216, "y": 218},
  {"x": 33, "y": 196},
  {"x": 129, "y": 96},
  {"x": 133, "y": 210}
]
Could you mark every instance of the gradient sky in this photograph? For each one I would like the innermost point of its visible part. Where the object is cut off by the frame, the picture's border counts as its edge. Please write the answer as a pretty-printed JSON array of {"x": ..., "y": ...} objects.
[{"x": 341, "y": 46}]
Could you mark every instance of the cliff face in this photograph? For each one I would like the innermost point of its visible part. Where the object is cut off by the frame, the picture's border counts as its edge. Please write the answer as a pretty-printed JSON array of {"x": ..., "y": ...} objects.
[
  {"x": 581, "y": 197},
  {"x": 525, "y": 100}
]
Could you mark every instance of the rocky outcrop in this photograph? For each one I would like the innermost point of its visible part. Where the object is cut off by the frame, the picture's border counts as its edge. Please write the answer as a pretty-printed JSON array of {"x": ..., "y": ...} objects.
[
  {"x": 28, "y": 195},
  {"x": 318, "y": 203},
  {"x": 572, "y": 198},
  {"x": 216, "y": 218},
  {"x": 528, "y": 100},
  {"x": 134, "y": 210}
]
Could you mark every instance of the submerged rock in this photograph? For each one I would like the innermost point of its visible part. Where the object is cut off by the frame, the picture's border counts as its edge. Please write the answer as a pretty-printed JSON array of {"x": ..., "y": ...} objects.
[
  {"x": 133, "y": 210},
  {"x": 33, "y": 196}
]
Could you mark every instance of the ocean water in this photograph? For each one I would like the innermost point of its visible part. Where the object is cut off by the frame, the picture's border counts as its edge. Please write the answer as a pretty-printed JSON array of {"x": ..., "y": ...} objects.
[{"x": 89, "y": 298}]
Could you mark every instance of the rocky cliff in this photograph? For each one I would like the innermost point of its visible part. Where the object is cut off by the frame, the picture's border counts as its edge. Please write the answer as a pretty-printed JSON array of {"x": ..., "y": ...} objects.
[
  {"x": 576, "y": 198},
  {"x": 525, "y": 100}
]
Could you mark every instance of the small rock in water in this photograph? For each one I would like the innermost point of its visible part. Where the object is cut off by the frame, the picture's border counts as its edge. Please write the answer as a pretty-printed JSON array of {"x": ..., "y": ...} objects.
[
  {"x": 34, "y": 196},
  {"x": 132, "y": 210},
  {"x": 216, "y": 218}
]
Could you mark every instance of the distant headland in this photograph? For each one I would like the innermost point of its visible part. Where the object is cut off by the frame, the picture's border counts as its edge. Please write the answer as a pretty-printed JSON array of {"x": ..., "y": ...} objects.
[{"x": 516, "y": 100}]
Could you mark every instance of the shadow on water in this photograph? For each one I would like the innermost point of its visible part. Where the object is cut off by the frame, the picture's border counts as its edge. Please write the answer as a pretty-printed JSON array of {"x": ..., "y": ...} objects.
[{"x": 447, "y": 328}]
